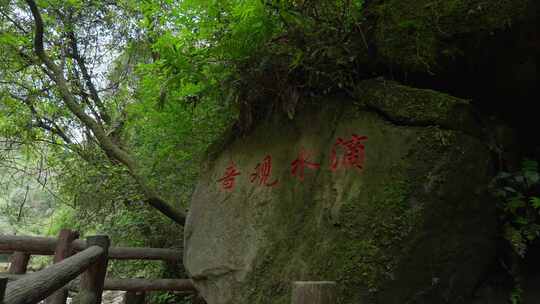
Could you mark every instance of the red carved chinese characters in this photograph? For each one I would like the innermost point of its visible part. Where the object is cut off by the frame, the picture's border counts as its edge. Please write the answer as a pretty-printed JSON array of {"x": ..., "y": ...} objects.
[
  {"x": 354, "y": 156},
  {"x": 263, "y": 172},
  {"x": 345, "y": 153},
  {"x": 302, "y": 162},
  {"x": 228, "y": 179}
]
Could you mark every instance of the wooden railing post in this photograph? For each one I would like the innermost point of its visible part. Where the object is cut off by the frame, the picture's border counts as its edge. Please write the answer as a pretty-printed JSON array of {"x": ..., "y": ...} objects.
[
  {"x": 3, "y": 284},
  {"x": 134, "y": 297},
  {"x": 323, "y": 292},
  {"x": 19, "y": 262},
  {"x": 64, "y": 249},
  {"x": 34, "y": 287},
  {"x": 92, "y": 280},
  {"x": 199, "y": 300}
]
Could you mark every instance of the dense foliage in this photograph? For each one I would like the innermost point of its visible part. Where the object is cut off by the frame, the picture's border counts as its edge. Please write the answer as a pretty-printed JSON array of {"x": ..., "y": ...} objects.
[
  {"x": 257, "y": 56},
  {"x": 116, "y": 115}
]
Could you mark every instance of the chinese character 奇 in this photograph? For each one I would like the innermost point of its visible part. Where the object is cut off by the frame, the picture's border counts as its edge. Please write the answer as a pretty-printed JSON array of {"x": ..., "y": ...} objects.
[{"x": 228, "y": 179}]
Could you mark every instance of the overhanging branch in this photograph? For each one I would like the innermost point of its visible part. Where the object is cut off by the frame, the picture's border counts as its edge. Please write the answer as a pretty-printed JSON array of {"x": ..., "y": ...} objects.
[{"x": 112, "y": 150}]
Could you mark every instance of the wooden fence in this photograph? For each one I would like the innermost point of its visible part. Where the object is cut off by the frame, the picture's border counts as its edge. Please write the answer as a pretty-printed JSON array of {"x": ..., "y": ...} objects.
[
  {"x": 73, "y": 258},
  {"x": 90, "y": 263}
]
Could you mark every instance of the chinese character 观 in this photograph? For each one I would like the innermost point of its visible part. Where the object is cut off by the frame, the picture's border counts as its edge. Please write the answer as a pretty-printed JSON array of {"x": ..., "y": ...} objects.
[{"x": 262, "y": 173}]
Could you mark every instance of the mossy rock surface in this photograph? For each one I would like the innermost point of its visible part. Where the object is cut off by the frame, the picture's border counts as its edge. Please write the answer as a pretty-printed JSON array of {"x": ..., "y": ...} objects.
[
  {"x": 413, "y": 225},
  {"x": 415, "y": 34}
]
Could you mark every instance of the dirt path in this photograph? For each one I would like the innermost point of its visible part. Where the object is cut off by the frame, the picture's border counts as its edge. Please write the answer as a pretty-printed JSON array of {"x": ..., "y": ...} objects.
[{"x": 113, "y": 297}]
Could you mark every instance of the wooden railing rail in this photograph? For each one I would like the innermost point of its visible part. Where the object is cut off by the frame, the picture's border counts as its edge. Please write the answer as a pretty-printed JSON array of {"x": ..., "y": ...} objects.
[
  {"x": 47, "y": 246},
  {"x": 129, "y": 284},
  {"x": 35, "y": 287}
]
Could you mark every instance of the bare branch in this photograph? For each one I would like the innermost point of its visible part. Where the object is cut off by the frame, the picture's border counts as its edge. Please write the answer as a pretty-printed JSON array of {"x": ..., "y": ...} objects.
[
  {"x": 21, "y": 206},
  {"x": 16, "y": 24},
  {"x": 86, "y": 75}
]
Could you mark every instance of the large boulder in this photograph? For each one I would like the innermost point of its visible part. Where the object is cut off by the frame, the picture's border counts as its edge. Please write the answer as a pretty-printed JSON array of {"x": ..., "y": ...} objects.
[{"x": 384, "y": 193}]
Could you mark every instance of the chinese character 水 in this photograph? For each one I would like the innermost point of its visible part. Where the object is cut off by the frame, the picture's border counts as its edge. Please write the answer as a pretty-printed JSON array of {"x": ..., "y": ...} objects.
[{"x": 302, "y": 162}]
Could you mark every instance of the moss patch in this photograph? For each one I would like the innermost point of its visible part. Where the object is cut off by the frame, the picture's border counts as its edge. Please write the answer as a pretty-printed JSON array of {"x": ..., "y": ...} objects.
[
  {"x": 408, "y": 106},
  {"x": 414, "y": 33},
  {"x": 359, "y": 254}
]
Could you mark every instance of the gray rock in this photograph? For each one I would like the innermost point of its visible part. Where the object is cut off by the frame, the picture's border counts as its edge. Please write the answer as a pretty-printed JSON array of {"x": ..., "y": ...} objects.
[{"x": 412, "y": 225}]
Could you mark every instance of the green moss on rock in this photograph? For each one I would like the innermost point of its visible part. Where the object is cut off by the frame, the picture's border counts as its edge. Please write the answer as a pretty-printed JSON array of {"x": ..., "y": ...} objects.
[
  {"x": 359, "y": 253},
  {"x": 414, "y": 107},
  {"x": 414, "y": 33}
]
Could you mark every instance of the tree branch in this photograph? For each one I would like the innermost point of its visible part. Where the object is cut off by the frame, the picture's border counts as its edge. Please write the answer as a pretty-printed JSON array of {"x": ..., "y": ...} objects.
[
  {"x": 21, "y": 206},
  {"x": 86, "y": 76},
  {"x": 53, "y": 127},
  {"x": 109, "y": 147},
  {"x": 17, "y": 25}
]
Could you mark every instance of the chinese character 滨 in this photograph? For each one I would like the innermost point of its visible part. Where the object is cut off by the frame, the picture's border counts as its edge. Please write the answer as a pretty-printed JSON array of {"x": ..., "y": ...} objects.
[{"x": 354, "y": 155}]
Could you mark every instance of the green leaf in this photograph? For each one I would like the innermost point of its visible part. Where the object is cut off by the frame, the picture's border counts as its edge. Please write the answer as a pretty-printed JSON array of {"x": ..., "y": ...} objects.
[
  {"x": 515, "y": 203},
  {"x": 297, "y": 60},
  {"x": 521, "y": 221},
  {"x": 531, "y": 177},
  {"x": 535, "y": 202},
  {"x": 529, "y": 165}
]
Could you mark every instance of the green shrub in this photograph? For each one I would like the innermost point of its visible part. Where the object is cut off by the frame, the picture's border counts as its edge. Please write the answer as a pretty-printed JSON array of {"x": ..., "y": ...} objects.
[{"x": 518, "y": 205}]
